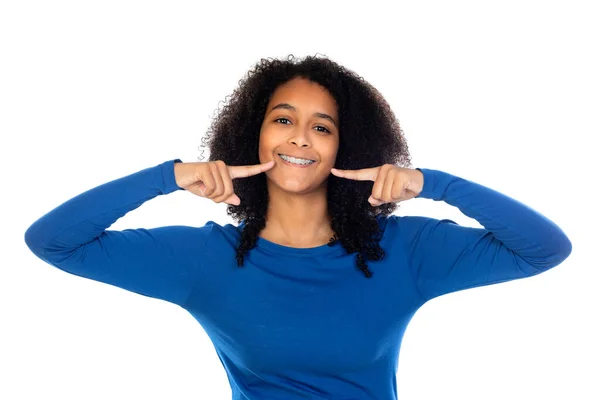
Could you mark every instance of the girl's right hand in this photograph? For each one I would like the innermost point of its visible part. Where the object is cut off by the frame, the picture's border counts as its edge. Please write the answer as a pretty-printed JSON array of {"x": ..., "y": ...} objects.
[{"x": 213, "y": 179}]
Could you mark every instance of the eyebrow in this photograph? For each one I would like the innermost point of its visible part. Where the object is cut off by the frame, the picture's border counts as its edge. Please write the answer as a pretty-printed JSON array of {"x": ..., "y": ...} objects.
[{"x": 317, "y": 114}]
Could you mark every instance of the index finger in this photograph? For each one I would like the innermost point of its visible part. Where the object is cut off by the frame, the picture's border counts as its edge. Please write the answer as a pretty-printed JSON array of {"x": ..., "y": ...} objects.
[
  {"x": 244, "y": 171},
  {"x": 366, "y": 174}
]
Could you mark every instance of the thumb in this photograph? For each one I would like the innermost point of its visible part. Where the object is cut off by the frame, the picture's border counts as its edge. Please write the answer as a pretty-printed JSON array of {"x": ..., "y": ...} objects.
[{"x": 233, "y": 200}]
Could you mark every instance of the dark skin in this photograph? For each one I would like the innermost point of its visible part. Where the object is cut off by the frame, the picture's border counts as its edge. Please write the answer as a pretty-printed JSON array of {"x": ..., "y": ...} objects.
[
  {"x": 302, "y": 121},
  {"x": 297, "y": 214}
]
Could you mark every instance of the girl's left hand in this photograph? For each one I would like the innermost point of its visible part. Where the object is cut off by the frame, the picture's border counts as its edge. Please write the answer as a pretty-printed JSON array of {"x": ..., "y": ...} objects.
[{"x": 392, "y": 183}]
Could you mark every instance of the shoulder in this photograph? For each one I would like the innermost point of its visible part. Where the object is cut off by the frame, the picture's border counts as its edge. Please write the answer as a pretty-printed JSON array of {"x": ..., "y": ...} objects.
[
  {"x": 221, "y": 233},
  {"x": 398, "y": 223},
  {"x": 408, "y": 226}
]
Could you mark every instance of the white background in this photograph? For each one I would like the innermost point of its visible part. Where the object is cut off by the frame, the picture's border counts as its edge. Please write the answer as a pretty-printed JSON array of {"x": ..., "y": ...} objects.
[{"x": 501, "y": 93}]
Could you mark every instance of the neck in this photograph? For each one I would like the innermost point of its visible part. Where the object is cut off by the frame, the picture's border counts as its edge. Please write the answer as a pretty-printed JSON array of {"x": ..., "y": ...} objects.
[{"x": 297, "y": 220}]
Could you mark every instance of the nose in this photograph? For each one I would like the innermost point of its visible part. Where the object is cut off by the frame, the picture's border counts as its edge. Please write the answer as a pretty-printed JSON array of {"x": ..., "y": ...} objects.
[
  {"x": 300, "y": 138},
  {"x": 299, "y": 143}
]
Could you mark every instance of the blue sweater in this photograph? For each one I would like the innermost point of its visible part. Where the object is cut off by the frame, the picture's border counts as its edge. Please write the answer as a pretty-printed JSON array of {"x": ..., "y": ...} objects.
[{"x": 299, "y": 323}]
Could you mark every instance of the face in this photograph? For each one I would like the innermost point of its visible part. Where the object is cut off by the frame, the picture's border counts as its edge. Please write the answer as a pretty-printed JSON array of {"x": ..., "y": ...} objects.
[{"x": 301, "y": 121}]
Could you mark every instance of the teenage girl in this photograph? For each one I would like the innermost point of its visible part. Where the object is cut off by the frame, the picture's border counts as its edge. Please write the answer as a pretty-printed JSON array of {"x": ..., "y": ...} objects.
[{"x": 309, "y": 295}]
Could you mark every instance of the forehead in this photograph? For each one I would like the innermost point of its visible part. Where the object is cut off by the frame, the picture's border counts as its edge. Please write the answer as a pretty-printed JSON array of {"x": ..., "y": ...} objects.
[{"x": 303, "y": 93}]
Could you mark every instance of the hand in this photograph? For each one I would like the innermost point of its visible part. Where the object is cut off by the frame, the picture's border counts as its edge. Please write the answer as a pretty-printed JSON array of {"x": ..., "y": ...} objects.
[
  {"x": 392, "y": 183},
  {"x": 213, "y": 179}
]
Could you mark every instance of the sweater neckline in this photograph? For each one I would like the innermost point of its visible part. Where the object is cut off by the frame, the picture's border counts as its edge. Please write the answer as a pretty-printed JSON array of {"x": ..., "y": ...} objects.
[{"x": 273, "y": 247}]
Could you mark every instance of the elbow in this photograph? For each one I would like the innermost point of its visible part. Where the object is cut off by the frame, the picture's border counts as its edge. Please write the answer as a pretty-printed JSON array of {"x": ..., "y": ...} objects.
[
  {"x": 32, "y": 239},
  {"x": 560, "y": 251},
  {"x": 563, "y": 251},
  {"x": 561, "y": 248},
  {"x": 554, "y": 256},
  {"x": 36, "y": 242},
  {"x": 46, "y": 247}
]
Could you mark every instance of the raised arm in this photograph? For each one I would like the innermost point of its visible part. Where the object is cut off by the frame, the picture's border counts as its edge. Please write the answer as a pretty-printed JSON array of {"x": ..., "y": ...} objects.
[
  {"x": 516, "y": 241},
  {"x": 152, "y": 262}
]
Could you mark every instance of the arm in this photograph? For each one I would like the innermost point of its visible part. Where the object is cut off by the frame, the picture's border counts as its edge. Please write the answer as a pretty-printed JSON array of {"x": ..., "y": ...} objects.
[
  {"x": 74, "y": 238},
  {"x": 444, "y": 257}
]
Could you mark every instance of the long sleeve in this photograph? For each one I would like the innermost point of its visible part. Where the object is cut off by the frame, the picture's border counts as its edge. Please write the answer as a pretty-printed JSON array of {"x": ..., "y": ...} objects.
[
  {"x": 74, "y": 238},
  {"x": 515, "y": 241}
]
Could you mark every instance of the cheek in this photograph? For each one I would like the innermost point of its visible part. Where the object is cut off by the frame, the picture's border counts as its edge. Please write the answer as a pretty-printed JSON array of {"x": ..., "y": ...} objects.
[
  {"x": 263, "y": 144},
  {"x": 332, "y": 155},
  {"x": 265, "y": 139},
  {"x": 266, "y": 147}
]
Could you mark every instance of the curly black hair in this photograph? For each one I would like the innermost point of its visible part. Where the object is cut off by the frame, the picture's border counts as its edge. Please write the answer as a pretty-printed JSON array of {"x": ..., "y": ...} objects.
[{"x": 369, "y": 136}]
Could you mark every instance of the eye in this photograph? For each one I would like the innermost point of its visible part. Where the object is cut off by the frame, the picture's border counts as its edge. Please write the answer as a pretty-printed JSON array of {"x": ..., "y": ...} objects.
[
  {"x": 279, "y": 119},
  {"x": 322, "y": 127}
]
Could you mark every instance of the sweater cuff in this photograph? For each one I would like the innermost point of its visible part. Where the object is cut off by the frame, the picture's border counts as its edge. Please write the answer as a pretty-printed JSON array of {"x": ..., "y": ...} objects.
[
  {"x": 432, "y": 189},
  {"x": 167, "y": 169}
]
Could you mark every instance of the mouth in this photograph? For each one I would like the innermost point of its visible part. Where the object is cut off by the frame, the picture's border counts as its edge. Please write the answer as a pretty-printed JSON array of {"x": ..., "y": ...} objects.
[{"x": 286, "y": 160}]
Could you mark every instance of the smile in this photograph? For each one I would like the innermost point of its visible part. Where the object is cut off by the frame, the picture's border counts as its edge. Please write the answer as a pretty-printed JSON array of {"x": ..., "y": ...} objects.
[{"x": 296, "y": 162}]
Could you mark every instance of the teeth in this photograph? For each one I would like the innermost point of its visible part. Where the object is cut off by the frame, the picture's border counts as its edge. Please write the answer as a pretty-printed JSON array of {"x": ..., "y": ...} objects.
[{"x": 296, "y": 160}]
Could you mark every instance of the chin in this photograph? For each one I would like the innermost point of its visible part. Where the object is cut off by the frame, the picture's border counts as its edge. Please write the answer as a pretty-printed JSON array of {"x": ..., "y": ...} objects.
[{"x": 298, "y": 186}]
